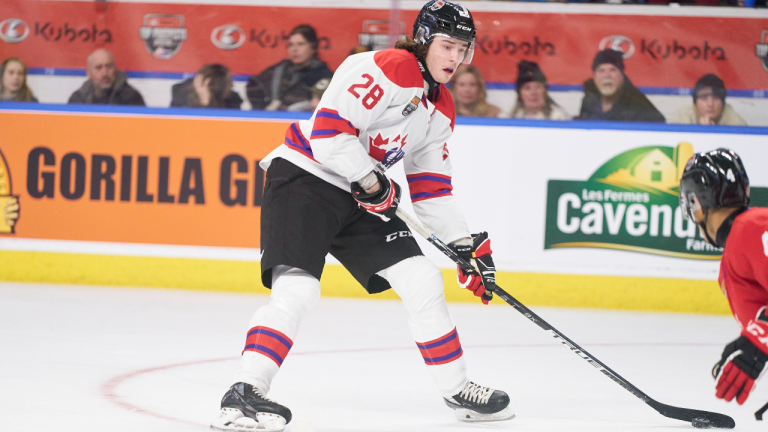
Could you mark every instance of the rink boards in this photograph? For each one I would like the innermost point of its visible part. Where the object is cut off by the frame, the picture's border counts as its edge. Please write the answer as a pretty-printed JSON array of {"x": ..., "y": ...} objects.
[{"x": 580, "y": 214}]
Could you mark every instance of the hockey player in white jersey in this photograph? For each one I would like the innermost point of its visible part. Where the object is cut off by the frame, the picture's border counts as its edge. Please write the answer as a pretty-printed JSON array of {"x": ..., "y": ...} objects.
[{"x": 324, "y": 193}]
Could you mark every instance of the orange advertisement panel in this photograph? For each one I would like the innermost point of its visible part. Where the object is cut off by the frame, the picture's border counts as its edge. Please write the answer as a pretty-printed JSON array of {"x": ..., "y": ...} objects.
[
  {"x": 660, "y": 51},
  {"x": 130, "y": 178}
]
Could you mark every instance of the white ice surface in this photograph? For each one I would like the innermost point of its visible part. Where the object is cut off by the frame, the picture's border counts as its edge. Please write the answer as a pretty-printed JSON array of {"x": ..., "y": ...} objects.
[{"x": 75, "y": 358}]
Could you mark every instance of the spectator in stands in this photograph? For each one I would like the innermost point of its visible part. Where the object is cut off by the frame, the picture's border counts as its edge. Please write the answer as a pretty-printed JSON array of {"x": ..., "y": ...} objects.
[
  {"x": 468, "y": 90},
  {"x": 287, "y": 85},
  {"x": 610, "y": 95},
  {"x": 533, "y": 101},
  {"x": 13, "y": 82},
  {"x": 210, "y": 87},
  {"x": 709, "y": 107},
  {"x": 105, "y": 84}
]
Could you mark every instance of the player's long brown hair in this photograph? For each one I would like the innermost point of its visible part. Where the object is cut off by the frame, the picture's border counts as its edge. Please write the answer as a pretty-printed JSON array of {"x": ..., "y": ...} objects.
[
  {"x": 24, "y": 94},
  {"x": 410, "y": 45}
]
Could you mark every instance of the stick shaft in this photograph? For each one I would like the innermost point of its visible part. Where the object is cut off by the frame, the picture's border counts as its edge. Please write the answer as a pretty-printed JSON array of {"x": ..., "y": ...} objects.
[{"x": 685, "y": 414}]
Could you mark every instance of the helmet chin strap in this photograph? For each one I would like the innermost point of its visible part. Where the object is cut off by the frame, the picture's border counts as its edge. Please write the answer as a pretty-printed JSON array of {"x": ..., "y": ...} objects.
[
  {"x": 703, "y": 226},
  {"x": 428, "y": 78}
]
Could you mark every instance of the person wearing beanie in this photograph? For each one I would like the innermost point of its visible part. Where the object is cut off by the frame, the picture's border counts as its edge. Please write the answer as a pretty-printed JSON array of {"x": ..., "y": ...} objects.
[
  {"x": 468, "y": 91},
  {"x": 533, "y": 101},
  {"x": 287, "y": 86},
  {"x": 610, "y": 95},
  {"x": 709, "y": 107}
]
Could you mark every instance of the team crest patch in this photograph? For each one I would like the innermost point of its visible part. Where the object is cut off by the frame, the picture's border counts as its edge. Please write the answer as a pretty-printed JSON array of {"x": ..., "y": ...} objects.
[
  {"x": 437, "y": 5},
  {"x": 462, "y": 11},
  {"x": 388, "y": 152},
  {"x": 411, "y": 107}
]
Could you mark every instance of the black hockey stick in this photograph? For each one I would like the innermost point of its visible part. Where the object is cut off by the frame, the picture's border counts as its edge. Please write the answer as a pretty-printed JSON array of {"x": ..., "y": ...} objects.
[{"x": 699, "y": 419}]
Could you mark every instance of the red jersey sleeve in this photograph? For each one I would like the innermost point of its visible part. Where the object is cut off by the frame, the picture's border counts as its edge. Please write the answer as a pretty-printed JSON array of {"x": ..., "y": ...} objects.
[{"x": 744, "y": 274}]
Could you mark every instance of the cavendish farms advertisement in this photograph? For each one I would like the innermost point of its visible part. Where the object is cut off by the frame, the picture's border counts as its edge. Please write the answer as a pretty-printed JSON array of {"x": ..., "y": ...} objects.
[{"x": 631, "y": 203}]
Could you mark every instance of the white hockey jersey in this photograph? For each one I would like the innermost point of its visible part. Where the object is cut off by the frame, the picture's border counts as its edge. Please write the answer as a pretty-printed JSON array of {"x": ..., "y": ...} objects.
[{"x": 375, "y": 110}]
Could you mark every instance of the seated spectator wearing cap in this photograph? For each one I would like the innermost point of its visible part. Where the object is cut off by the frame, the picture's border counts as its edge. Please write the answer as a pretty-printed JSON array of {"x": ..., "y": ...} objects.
[
  {"x": 533, "y": 101},
  {"x": 610, "y": 95},
  {"x": 709, "y": 107},
  {"x": 105, "y": 84},
  {"x": 287, "y": 85},
  {"x": 468, "y": 90},
  {"x": 210, "y": 87},
  {"x": 13, "y": 81}
]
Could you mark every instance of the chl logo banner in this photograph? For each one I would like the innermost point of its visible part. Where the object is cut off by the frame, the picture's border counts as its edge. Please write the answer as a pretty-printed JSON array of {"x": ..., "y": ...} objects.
[
  {"x": 9, "y": 203},
  {"x": 630, "y": 203},
  {"x": 163, "y": 34}
]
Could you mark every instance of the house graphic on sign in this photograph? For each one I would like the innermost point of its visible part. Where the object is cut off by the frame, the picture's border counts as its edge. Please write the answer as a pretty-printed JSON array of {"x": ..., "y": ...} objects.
[{"x": 653, "y": 171}]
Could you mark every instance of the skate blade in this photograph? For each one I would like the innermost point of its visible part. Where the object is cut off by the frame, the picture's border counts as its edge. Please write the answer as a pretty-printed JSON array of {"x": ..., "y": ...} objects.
[
  {"x": 233, "y": 420},
  {"x": 466, "y": 415}
]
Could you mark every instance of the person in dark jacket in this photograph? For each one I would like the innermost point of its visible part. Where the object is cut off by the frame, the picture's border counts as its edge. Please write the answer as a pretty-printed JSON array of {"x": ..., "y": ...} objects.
[
  {"x": 106, "y": 84},
  {"x": 610, "y": 95},
  {"x": 288, "y": 84},
  {"x": 210, "y": 87}
]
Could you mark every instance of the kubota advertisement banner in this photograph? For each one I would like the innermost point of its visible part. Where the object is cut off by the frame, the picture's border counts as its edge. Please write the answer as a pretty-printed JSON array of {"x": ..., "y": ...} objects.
[{"x": 667, "y": 50}]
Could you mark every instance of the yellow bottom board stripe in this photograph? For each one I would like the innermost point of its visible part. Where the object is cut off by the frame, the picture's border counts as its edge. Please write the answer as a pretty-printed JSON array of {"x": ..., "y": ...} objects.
[{"x": 532, "y": 289}]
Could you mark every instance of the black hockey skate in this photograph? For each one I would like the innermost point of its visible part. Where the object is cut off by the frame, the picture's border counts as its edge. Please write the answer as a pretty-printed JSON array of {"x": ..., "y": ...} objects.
[
  {"x": 245, "y": 409},
  {"x": 477, "y": 403}
]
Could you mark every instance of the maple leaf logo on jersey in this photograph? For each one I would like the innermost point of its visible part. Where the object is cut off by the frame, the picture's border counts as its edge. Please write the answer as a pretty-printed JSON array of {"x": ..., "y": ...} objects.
[{"x": 386, "y": 152}]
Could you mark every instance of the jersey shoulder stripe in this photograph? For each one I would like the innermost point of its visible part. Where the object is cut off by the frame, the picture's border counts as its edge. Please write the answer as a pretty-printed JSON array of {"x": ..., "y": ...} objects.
[
  {"x": 400, "y": 67},
  {"x": 444, "y": 104}
]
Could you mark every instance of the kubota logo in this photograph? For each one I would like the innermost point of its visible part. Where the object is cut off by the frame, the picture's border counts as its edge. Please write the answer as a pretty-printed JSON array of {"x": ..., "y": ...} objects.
[
  {"x": 13, "y": 30},
  {"x": 618, "y": 43},
  {"x": 228, "y": 36}
]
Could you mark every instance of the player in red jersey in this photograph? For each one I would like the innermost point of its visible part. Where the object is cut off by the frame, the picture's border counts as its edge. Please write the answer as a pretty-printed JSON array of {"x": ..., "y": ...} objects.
[{"x": 714, "y": 193}]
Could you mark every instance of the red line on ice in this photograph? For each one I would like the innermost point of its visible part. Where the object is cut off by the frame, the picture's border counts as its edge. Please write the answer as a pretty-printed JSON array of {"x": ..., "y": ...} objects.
[{"x": 109, "y": 388}]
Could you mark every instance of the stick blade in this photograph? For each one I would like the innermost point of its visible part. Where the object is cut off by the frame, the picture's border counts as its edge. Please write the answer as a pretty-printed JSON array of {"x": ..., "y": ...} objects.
[{"x": 715, "y": 420}]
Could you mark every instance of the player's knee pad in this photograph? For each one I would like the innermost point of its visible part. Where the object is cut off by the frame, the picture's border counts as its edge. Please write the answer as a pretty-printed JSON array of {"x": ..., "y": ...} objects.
[
  {"x": 294, "y": 289},
  {"x": 294, "y": 293},
  {"x": 418, "y": 282}
]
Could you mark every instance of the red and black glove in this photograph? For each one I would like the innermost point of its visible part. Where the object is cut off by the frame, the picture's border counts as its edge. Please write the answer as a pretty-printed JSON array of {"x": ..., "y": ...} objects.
[
  {"x": 382, "y": 203},
  {"x": 741, "y": 364},
  {"x": 478, "y": 253}
]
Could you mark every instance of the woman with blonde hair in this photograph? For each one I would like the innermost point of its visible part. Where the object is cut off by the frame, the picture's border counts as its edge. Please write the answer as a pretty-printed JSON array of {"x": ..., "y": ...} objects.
[
  {"x": 533, "y": 101},
  {"x": 13, "y": 81},
  {"x": 468, "y": 90}
]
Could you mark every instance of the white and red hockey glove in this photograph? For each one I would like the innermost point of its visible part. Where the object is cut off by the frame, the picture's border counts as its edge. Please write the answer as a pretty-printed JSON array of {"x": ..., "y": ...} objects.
[
  {"x": 382, "y": 203},
  {"x": 742, "y": 363},
  {"x": 478, "y": 253}
]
